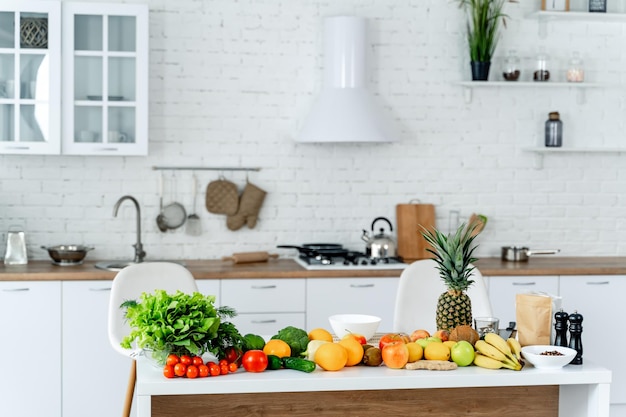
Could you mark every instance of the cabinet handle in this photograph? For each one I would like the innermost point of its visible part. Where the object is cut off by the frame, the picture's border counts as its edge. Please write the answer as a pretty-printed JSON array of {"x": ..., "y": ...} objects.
[
  {"x": 107, "y": 149},
  {"x": 524, "y": 283},
  {"x": 100, "y": 289},
  {"x": 361, "y": 285},
  {"x": 263, "y": 321},
  {"x": 263, "y": 287},
  {"x": 598, "y": 283},
  {"x": 16, "y": 289},
  {"x": 19, "y": 147}
]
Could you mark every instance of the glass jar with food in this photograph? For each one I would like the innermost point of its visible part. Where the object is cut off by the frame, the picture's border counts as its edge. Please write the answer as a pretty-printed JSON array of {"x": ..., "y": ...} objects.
[
  {"x": 541, "y": 69},
  {"x": 511, "y": 66},
  {"x": 575, "y": 70}
]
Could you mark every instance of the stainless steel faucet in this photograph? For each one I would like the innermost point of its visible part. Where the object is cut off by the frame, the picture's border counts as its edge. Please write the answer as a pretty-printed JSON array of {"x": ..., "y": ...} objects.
[{"x": 139, "y": 252}]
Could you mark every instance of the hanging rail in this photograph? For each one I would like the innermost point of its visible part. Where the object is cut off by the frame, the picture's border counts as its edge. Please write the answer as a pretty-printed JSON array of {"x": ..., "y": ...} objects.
[{"x": 158, "y": 168}]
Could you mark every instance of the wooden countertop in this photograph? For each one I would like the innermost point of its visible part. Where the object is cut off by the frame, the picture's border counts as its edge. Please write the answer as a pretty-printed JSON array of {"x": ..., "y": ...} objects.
[{"x": 287, "y": 268}]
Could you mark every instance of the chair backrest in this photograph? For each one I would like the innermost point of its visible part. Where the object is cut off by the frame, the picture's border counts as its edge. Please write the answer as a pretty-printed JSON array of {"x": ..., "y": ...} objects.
[
  {"x": 133, "y": 280},
  {"x": 420, "y": 287}
]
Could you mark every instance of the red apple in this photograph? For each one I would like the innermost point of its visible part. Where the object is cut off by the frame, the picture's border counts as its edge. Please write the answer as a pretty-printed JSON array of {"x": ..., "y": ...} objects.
[
  {"x": 395, "y": 354},
  {"x": 419, "y": 334},
  {"x": 358, "y": 337},
  {"x": 393, "y": 337},
  {"x": 442, "y": 334}
]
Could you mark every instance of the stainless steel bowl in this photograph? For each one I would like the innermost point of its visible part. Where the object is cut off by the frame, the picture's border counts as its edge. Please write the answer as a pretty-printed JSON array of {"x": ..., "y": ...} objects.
[{"x": 67, "y": 254}]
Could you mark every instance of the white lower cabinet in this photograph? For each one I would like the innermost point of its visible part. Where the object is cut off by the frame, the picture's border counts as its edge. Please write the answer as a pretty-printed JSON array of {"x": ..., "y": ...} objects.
[
  {"x": 600, "y": 301},
  {"x": 265, "y": 306},
  {"x": 210, "y": 287},
  {"x": 328, "y": 296},
  {"x": 31, "y": 335},
  {"x": 502, "y": 291},
  {"x": 95, "y": 376}
]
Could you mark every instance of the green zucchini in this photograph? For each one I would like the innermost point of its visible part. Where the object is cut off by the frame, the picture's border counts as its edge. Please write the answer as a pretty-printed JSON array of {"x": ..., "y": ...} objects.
[
  {"x": 299, "y": 364},
  {"x": 274, "y": 362}
]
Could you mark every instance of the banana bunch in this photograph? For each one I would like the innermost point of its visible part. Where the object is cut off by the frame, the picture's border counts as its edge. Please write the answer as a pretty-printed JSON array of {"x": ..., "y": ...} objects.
[{"x": 494, "y": 353}]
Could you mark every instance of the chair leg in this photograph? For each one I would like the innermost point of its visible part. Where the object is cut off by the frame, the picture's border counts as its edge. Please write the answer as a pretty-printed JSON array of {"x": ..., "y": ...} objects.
[{"x": 130, "y": 390}]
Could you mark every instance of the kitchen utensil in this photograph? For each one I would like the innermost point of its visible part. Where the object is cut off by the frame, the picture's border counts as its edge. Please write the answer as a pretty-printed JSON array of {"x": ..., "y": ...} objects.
[
  {"x": 410, "y": 218},
  {"x": 381, "y": 245},
  {"x": 194, "y": 227},
  {"x": 160, "y": 220},
  {"x": 362, "y": 324},
  {"x": 174, "y": 213},
  {"x": 222, "y": 197},
  {"x": 543, "y": 356},
  {"x": 479, "y": 222},
  {"x": 249, "y": 257},
  {"x": 16, "y": 248},
  {"x": 66, "y": 255},
  {"x": 522, "y": 253},
  {"x": 318, "y": 250}
]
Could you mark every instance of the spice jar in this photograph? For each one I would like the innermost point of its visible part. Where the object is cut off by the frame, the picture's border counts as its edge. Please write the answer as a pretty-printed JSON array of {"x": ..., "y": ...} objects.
[
  {"x": 554, "y": 130},
  {"x": 541, "y": 71},
  {"x": 511, "y": 66},
  {"x": 575, "y": 69}
]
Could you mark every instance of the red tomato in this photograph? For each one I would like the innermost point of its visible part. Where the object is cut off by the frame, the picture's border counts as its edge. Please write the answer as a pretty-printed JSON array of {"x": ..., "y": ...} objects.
[
  {"x": 180, "y": 369},
  {"x": 233, "y": 354},
  {"x": 254, "y": 361},
  {"x": 168, "y": 371},
  {"x": 185, "y": 360},
  {"x": 172, "y": 359},
  {"x": 232, "y": 367},
  {"x": 214, "y": 369},
  {"x": 224, "y": 369},
  {"x": 197, "y": 360},
  {"x": 203, "y": 371},
  {"x": 223, "y": 362},
  {"x": 192, "y": 371}
]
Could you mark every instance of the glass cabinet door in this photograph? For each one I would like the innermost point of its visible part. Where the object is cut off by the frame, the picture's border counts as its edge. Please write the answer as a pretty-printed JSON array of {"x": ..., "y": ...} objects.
[
  {"x": 30, "y": 95},
  {"x": 105, "y": 102}
]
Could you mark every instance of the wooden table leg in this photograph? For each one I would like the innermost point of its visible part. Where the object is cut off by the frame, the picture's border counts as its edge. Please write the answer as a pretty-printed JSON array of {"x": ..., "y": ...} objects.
[{"x": 130, "y": 390}]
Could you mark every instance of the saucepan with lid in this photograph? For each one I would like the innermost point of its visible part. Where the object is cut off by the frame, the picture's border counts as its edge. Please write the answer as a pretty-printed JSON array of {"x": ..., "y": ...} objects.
[{"x": 522, "y": 253}]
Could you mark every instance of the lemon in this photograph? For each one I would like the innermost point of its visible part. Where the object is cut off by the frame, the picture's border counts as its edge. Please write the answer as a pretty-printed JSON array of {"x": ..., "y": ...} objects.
[
  {"x": 331, "y": 357},
  {"x": 437, "y": 351}
]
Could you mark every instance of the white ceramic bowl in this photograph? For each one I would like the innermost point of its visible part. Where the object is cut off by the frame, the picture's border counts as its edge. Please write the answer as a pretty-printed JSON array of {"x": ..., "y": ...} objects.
[
  {"x": 362, "y": 324},
  {"x": 533, "y": 354}
]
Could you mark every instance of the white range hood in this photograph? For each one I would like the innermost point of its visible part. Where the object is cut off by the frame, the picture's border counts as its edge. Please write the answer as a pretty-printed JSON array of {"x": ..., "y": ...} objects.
[{"x": 345, "y": 110}]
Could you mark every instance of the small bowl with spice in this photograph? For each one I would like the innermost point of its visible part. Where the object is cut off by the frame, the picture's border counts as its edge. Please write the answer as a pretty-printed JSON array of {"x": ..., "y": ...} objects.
[{"x": 548, "y": 356}]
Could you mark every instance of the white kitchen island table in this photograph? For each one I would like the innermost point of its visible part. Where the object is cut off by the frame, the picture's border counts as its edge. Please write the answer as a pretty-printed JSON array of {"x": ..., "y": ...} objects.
[{"x": 572, "y": 391}]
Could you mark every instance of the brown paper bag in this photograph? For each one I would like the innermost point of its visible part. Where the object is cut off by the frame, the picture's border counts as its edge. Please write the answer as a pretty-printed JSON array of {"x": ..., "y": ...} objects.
[{"x": 534, "y": 319}]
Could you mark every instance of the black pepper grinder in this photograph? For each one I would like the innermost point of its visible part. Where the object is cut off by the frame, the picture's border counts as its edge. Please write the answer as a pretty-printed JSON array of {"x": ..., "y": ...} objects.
[
  {"x": 575, "y": 341},
  {"x": 560, "y": 327}
]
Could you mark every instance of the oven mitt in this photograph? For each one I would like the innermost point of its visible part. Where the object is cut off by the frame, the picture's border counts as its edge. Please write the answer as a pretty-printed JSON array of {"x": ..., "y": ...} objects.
[
  {"x": 249, "y": 206},
  {"x": 222, "y": 197}
]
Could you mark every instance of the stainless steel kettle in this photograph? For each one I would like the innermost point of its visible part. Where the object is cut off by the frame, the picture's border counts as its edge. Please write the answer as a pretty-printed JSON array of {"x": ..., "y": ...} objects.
[{"x": 380, "y": 245}]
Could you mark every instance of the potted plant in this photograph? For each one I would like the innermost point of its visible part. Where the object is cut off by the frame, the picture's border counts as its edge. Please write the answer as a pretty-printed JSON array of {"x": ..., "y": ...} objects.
[{"x": 483, "y": 25}]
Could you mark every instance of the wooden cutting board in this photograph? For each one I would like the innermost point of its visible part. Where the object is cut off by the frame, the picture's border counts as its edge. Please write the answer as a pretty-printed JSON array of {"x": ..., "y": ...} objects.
[{"x": 409, "y": 220}]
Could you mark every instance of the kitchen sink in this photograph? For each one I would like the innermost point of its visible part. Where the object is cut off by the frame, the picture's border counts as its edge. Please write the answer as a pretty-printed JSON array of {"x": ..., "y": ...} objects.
[{"x": 119, "y": 265}]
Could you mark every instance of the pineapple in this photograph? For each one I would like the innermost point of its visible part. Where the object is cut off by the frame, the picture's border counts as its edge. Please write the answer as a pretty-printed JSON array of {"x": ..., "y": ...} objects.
[{"x": 453, "y": 254}]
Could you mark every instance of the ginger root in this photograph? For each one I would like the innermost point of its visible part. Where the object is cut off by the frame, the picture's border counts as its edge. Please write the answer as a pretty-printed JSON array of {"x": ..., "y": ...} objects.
[{"x": 432, "y": 365}]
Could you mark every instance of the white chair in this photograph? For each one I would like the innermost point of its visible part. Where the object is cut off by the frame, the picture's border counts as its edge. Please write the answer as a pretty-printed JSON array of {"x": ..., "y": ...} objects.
[
  {"x": 420, "y": 287},
  {"x": 128, "y": 284}
]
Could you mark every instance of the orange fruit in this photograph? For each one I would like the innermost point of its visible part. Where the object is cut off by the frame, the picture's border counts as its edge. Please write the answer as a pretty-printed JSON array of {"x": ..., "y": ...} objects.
[
  {"x": 437, "y": 351},
  {"x": 415, "y": 351},
  {"x": 277, "y": 347},
  {"x": 354, "y": 349},
  {"x": 331, "y": 356},
  {"x": 320, "y": 334}
]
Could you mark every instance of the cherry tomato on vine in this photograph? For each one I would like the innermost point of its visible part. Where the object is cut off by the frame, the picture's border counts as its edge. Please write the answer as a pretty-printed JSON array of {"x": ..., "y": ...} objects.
[
  {"x": 185, "y": 360},
  {"x": 234, "y": 354},
  {"x": 232, "y": 367},
  {"x": 180, "y": 369},
  {"x": 197, "y": 361},
  {"x": 172, "y": 359},
  {"x": 224, "y": 369},
  {"x": 254, "y": 361},
  {"x": 222, "y": 362},
  {"x": 192, "y": 371},
  {"x": 168, "y": 371},
  {"x": 203, "y": 371},
  {"x": 214, "y": 369}
]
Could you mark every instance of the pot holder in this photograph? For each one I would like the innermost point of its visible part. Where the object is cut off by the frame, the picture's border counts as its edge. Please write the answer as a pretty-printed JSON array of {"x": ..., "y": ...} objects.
[
  {"x": 249, "y": 206},
  {"x": 222, "y": 197}
]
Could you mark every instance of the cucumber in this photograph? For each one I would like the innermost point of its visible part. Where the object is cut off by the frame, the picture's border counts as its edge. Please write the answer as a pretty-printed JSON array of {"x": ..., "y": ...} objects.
[
  {"x": 274, "y": 362},
  {"x": 299, "y": 364}
]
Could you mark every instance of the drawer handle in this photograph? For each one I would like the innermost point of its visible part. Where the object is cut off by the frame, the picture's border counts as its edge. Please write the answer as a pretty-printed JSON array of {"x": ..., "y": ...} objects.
[
  {"x": 263, "y": 321},
  {"x": 16, "y": 289},
  {"x": 524, "y": 283},
  {"x": 263, "y": 287},
  {"x": 598, "y": 283},
  {"x": 361, "y": 285},
  {"x": 100, "y": 289}
]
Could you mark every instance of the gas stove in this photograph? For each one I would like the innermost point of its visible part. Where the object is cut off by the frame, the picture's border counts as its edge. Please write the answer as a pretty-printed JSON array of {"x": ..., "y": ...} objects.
[{"x": 351, "y": 260}]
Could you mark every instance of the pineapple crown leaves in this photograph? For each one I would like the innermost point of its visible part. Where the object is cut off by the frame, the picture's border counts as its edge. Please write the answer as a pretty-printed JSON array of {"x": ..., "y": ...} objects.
[{"x": 453, "y": 254}]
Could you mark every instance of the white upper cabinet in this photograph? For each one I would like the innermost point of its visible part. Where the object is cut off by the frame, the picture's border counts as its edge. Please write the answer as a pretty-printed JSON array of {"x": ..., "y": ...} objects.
[
  {"x": 105, "y": 79},
  {"x": 30, "y": 77}
]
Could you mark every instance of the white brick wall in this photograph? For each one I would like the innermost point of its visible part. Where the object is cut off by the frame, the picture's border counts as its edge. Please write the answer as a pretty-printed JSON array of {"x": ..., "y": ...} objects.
[{"x": 231, "y": 82}]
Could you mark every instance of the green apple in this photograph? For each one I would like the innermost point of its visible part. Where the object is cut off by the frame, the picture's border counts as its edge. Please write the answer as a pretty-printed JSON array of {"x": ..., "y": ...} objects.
[
  {"x": 462, "y": 353},
  {"x": 434, "y": 339},
  {"x": 423, "y": 342}
]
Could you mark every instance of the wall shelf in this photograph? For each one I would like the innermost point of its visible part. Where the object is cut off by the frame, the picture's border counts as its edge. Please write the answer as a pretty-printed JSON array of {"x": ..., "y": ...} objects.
[
  {"x": 544, "y": 17},
  {"x": 468, "y": 86},
  {"x": 599, "y": 149},
  {"x": 159, "y": 168}
]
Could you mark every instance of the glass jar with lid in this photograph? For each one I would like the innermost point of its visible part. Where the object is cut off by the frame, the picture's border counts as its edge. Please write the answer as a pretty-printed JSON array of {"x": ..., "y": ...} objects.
[
  {"x": 575, "y": 69},
  {"x": 511, "y": 66},
  {"x": 541, "y": 67}
]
